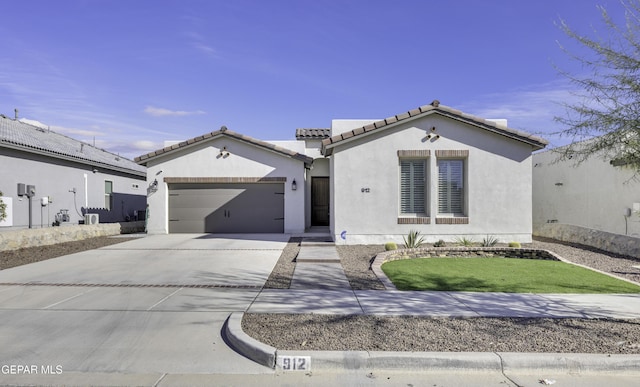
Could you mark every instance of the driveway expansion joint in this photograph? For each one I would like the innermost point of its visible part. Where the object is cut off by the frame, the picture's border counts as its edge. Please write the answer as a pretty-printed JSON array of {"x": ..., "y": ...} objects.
[{"x": 93, "y": 285}]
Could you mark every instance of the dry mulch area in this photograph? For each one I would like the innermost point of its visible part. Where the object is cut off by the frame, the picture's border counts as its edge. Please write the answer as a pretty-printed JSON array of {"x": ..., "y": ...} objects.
[
  {"x": 13, "y": 258},
  {"x": 408, "y": 333}
]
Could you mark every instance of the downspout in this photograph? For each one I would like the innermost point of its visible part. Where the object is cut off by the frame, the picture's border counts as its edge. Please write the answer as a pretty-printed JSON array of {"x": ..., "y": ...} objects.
[{"x": 86, "y": 193}]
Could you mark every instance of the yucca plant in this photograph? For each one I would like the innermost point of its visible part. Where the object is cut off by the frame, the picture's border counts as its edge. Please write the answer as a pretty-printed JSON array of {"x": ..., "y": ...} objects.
[
  {"x": 489, "y": 241},
  {"x": 463, "y": 241},
  {"x": 413, "y": 240}
]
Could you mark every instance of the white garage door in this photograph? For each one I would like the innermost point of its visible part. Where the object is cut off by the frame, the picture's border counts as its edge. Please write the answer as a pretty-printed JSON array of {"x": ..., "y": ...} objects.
[{"x": 226, "y": 208}]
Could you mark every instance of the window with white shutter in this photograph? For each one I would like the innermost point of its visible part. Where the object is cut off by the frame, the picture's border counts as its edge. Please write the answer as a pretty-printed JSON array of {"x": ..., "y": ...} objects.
[
  {"x": 413, "y": 186},
  {"x": 451, "y": 187}
]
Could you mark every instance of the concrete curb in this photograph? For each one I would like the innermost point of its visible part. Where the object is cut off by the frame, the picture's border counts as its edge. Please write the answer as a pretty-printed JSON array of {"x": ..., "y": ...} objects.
[
  {"x": 578, "y": 363},
  {"x": 246, "y": 345},
  {"x": 575, "y": 363}
]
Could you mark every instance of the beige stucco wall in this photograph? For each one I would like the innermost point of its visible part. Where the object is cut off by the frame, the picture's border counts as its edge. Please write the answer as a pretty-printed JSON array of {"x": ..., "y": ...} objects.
[
  {"x": 498, "y": 171},
  {"x": 593, "y": 194},
  {"x": 244, "y": 160}
]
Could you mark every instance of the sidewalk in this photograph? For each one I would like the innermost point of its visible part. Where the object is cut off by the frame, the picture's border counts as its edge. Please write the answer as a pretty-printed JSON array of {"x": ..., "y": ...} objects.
[{"x": 319, "y": 287}]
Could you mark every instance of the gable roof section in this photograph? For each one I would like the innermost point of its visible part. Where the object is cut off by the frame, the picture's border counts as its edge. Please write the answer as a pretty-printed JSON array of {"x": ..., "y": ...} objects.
[
  {"x": 224, "y": 132},
  {"x": 433, "y": 108},
  {"x": 32, "y": 139},
  {"x": 312, "y": 133}
]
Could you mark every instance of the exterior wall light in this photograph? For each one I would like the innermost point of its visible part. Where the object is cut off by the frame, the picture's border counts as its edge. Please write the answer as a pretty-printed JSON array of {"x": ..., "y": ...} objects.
[
  {"x": 294, "y": 185},
  {"x": 224, "y": 152}
]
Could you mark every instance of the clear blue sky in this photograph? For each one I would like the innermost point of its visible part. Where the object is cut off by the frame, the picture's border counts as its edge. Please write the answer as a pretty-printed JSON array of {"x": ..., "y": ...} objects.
[{"x": 132, "y": 74}]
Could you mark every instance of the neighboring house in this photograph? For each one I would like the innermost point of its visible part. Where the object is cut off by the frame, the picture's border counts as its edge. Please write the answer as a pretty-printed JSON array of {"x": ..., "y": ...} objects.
[
  {"x": 69, "y": 176},
  {"x": 433, "y": 169},
  {"x": 598, "y": 193}
]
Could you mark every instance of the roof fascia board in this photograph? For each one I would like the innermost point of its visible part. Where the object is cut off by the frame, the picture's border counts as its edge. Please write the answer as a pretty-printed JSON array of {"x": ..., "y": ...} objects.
[
  {"x": 377, "y": 130},
  {"x": 273, "y": 148},
  {"x": 494, "y": 129},
  {"x": 227, "y": 133}
]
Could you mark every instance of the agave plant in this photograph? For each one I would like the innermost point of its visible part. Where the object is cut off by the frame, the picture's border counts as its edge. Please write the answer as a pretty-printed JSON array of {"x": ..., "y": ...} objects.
[
  {"x": 489, "y": 241},
  {"x": 413, "y": 240},
  {"x": 463, "y": 241}
]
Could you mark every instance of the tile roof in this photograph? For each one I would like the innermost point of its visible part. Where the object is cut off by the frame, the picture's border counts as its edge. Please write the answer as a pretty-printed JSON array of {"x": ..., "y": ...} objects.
[
  {"x": 312, "y": 133},
  {"x": 28, "y": 138},
  {"x": 224, "y": 132},
  {"x": 435, "y": 108}
]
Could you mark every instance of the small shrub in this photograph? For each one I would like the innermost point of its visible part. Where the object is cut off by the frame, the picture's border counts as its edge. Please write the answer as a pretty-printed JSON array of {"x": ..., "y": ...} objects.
[
  {"x": 462, "y": 241},
  {"x": 439, "y": 243},
  {"x": 390, "y": 246},
  {"x": 489, "y": 241},
  {"x": 413, "y": 240},
  {"x": 3, "y": 209},
  {"x": 515, "y": 245}
]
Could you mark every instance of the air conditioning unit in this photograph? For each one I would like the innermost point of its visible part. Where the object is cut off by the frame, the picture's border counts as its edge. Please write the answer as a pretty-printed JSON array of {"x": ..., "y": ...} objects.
[{"x": 91, "y": 219}]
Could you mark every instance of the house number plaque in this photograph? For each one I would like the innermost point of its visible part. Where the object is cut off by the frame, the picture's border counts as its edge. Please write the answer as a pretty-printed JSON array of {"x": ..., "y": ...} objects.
[{"x": 294, "y": 363}]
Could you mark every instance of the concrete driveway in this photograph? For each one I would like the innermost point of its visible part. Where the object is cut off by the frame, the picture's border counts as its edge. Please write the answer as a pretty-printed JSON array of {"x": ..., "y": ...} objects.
[{"x": 136, "y": 311}]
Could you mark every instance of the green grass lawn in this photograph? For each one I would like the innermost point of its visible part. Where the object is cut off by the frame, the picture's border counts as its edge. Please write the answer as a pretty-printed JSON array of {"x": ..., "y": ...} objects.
[{"x": 496, "y": 274}]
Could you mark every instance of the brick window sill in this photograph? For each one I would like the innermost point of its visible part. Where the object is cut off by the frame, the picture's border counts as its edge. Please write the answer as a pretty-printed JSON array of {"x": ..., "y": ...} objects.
[
  {"x": 414, "y": 220},
  {"x": 453, "y": 220}
]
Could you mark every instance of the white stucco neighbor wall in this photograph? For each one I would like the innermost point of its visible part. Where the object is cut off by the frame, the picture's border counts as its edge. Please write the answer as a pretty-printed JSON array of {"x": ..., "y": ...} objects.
[
  {"x": 498, "y": 179},
  {"x": 244, "y": 160},
  {"x": 57, "y": 179},
  {"x": 593, "y": 194}
]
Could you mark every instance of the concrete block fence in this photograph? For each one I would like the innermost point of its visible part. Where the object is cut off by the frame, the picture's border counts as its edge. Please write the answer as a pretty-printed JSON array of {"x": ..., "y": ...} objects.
[{"x": 614, "y": 243}]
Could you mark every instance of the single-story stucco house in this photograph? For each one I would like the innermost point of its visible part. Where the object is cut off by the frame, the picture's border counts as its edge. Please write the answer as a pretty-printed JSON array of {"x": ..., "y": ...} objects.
[
  {"x": 433, "y": 169},
  {"x": 64, "y": 179}
]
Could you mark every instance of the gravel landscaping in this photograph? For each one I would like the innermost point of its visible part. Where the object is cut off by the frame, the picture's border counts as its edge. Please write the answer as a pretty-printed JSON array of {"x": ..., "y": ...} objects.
[
  {"x": 407, "y": 333},
  {"x": 13, "y": 258}
]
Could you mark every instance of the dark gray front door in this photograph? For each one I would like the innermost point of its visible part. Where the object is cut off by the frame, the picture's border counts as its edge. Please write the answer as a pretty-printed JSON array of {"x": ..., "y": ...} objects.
[
  {"x": 319, "y": 201},
  {"x": 226, "y": 208}
]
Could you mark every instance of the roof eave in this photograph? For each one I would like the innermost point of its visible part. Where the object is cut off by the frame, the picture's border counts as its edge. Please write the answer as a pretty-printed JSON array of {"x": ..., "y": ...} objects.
[
  {"x": 79, "y": 160},
  {"x": 144, "y": 159},
  {"x": 346, "y": 137}
]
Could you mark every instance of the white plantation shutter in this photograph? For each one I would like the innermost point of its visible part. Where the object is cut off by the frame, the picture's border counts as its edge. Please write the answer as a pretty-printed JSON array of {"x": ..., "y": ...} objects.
[
  {"x": 412, "y": 186},
  {"x": 450, "y": 186}
]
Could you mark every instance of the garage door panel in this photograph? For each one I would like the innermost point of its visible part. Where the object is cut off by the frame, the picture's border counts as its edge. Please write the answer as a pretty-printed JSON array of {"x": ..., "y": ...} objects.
[{"x": 226, "y": 208}]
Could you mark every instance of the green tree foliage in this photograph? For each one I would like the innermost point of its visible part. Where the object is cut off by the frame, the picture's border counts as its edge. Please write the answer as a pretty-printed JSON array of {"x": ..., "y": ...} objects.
[{"x": 608, "y": 104}]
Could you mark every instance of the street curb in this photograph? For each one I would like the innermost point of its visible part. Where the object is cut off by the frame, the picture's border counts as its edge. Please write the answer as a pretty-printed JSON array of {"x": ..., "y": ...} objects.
[
  {"x": 575, "y": 363},
  {"x": 246, "y": 345}
]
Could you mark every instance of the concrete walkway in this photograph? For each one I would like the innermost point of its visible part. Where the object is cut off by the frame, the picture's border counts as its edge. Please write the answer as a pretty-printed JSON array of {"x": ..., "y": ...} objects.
[
  {"x": 318, "y": 266},
  {"x": 320, "y": 286}
]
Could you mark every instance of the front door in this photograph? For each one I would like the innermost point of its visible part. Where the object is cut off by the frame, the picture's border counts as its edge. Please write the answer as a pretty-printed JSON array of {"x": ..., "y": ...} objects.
[{"x": 319, "y": 201}]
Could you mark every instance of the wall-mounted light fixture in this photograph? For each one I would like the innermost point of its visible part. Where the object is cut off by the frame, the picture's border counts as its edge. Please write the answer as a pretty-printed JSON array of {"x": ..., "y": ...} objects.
[
  {"x": 153, "y": 187},
  {"x": 294, "y": 185},
  {"x": 224, "y": 152}
]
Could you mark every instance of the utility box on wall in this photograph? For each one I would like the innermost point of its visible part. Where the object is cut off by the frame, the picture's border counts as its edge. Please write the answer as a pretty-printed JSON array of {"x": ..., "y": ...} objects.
[{"x": 8, "y": 221}]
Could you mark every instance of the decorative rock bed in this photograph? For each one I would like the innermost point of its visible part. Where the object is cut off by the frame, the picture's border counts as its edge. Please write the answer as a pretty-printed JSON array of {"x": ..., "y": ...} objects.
[{"x": 440, "y": 252}]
